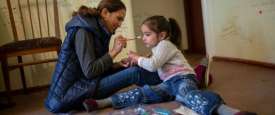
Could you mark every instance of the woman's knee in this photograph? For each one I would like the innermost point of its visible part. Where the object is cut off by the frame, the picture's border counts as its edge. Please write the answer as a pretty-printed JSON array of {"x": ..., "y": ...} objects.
[
  {"x": 56, "y": 107},
  {"x": 134, "y": 69},
  {"x": 141, "y": 76}
]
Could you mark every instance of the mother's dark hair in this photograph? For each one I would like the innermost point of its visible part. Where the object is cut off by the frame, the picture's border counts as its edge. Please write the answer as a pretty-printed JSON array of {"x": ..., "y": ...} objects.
[{"x": 110, "y": 5}]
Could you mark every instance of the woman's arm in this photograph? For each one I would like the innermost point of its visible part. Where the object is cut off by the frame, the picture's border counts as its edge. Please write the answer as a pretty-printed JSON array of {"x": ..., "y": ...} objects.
[
  {"x": 85, "y": 50},
  {"x": 119, "y": 44}
]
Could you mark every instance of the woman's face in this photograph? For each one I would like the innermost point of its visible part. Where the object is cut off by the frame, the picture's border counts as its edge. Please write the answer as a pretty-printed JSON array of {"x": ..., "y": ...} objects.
[
  {"x": 150, "y": 38},
  {"x": 113, "y": 20}
]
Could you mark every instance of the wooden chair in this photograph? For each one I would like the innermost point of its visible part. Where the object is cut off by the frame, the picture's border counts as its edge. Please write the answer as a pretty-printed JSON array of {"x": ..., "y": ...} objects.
[{"x": 29, "y": 45}]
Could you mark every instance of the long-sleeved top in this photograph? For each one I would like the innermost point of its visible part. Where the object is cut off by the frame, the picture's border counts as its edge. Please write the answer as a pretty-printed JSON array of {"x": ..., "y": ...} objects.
[
  {"x": 167, "y": 60},
  {"x": 91, "y": 63}
]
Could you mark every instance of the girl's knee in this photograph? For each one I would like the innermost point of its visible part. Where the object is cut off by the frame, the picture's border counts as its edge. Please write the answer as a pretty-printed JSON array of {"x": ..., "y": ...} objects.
[
  {"x": 203, "y": 102},
  {"x": 184, "y": 89}
]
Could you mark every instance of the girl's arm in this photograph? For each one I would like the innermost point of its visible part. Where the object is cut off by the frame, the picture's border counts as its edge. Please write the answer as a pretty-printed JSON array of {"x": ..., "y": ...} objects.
[{"x": 161, "y": 54}]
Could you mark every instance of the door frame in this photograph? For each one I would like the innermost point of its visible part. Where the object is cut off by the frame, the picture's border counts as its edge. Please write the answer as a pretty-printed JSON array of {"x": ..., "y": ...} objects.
[{"x": 194, "y": 27}]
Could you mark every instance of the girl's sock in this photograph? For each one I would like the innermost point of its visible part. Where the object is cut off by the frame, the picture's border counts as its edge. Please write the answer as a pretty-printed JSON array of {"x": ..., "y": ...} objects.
[
  {"x": 91, "y": 104},
  {"x": 226, "y": 110}
]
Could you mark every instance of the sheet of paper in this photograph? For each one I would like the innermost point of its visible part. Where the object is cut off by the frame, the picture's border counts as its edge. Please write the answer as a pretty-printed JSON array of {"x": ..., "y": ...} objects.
[{"x": 185, "y": 111}]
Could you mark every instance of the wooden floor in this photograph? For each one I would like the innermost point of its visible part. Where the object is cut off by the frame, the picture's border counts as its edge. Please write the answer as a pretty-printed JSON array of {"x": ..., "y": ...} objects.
[{"x": 243, "y": 86}]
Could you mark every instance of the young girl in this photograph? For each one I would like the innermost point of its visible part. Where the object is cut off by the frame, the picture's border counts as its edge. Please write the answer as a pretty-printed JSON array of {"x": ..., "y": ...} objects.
[{"x": 179, "y": 82}]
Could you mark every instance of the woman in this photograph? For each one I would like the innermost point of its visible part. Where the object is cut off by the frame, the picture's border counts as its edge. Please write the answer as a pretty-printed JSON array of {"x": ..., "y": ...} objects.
[{"x": 85, "y": 67}]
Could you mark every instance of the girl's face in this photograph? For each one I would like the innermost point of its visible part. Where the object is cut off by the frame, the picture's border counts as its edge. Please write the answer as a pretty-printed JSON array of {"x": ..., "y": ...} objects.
[
  {"x": 113, "y": 20},
  {"x": 150, "y": 38}
]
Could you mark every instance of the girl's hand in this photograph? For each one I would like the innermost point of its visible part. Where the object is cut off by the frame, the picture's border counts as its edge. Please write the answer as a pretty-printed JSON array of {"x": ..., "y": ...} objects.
[
  {"x": 119, "y": 44},
  {"x": 133, "y": 57}
]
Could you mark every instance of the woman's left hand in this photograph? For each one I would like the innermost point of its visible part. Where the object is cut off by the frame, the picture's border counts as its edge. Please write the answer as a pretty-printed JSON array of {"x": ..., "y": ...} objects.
[{"x": 125, "y": 62}]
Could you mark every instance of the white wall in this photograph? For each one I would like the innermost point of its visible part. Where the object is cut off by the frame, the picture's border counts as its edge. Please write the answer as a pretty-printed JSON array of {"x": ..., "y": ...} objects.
[
  {"x": 240, "y": 29},
  {"x": 68, "y": 6},
  {"x": 169, "y": 8}
]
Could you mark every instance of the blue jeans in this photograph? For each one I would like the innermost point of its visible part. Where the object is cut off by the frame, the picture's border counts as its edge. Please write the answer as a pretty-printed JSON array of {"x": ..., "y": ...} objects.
[
  {"x": 129, "y": 76},
  {"x": 182, "y": 88}
]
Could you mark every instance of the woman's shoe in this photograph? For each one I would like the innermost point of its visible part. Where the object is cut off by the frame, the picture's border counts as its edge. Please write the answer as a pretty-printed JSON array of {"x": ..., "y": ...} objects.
[{"x": 90, "y": 105}]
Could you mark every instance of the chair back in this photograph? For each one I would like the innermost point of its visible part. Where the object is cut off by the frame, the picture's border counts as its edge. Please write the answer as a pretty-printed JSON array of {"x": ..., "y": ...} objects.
[{"x": 32, "y": 19}]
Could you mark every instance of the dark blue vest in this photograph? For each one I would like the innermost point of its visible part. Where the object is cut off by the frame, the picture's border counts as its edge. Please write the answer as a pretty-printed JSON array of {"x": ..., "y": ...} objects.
[{"x": 69, "y": 86}]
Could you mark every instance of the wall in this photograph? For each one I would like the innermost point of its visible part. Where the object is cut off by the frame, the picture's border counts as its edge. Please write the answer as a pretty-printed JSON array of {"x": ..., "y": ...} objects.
[
  {"x": 240, "y": 29},
  {"x": 35, "y": 75},
  {"x": 145, "y": 8},
  {"x": 126, "y": 29},
  {"x": 41, "y": 74}
]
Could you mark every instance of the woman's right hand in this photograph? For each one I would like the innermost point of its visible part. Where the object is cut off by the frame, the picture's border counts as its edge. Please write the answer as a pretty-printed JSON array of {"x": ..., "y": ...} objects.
[{"x": 119, "y": 43}]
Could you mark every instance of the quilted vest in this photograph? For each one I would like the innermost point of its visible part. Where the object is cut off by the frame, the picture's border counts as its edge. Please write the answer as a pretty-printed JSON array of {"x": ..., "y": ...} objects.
[{"x": 69, "y": 86}]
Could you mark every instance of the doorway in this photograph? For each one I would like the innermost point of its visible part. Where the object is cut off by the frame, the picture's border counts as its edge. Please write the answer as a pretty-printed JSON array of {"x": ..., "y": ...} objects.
[{"x": 194, "y": 25}]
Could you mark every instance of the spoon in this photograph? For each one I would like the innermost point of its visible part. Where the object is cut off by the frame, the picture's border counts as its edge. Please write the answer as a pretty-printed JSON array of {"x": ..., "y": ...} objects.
[{"x": 137, "y": 37}]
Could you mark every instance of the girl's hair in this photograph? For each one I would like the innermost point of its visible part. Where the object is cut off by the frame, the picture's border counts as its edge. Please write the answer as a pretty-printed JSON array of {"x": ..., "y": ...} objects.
[
  {"x": 160, "y": 24},
  {"x": 110, "y": 5}
]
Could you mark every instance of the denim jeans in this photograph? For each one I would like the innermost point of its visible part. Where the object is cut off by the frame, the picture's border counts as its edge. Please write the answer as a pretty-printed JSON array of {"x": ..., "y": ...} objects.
[
  {"x": 182, "y": 88},
  {"x": 129, "y": 76}
]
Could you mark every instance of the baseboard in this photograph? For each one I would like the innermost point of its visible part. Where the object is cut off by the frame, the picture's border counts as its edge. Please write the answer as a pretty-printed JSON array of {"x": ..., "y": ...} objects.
[
  {"x": 29, "y": 90},
  {"x": 245, "y": 61},
  {"x": 188, "y": 51}
]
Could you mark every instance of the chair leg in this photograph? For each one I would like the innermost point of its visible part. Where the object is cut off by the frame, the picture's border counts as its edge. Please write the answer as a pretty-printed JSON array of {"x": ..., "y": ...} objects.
[
  {"x": 7, "y": 83},
  {"x": 22, "y": 74},
  {"x": 58, "y": 51}
]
